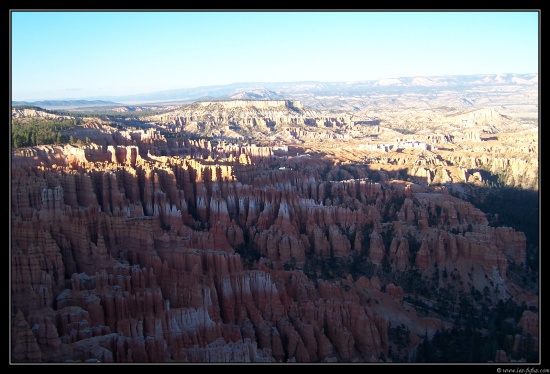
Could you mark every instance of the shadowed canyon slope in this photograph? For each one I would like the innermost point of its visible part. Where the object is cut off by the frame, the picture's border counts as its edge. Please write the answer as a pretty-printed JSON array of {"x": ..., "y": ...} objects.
[{"x": 333, "y": 238}]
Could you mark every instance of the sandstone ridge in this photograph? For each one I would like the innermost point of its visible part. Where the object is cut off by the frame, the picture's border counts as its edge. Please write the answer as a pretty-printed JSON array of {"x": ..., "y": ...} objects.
[{"x": 328, "y": 238}]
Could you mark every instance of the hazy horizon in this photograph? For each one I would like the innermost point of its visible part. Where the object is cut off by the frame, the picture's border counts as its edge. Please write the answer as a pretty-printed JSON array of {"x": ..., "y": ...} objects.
[{"x": 89, "y": 54}]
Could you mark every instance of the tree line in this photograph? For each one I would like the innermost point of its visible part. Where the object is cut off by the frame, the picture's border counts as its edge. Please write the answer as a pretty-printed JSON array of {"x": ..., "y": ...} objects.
[{"x": 30, "y": 132}]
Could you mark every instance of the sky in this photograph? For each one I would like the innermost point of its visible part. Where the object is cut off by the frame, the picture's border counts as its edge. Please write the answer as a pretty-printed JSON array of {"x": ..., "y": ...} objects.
[{"x": 90, "y": 54}]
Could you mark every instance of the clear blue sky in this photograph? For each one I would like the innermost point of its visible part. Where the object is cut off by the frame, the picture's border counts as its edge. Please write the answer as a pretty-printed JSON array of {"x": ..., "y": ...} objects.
[{"x": 56, "y": 55}]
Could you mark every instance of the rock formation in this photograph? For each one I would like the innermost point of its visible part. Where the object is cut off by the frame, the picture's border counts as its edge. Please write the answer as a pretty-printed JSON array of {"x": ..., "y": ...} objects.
[{"x": 148, "y": 248}]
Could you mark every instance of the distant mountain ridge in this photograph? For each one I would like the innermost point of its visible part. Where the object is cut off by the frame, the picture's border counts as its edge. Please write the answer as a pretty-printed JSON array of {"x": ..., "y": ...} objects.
[
  {"x": 282, "y": 90},
  {"x": 65, "y": 103},
  {"x": 276, "y": 90}
]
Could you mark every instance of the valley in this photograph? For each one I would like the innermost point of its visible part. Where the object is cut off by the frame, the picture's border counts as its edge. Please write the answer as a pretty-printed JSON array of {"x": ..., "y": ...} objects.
[{"x": 382, "y": 222}]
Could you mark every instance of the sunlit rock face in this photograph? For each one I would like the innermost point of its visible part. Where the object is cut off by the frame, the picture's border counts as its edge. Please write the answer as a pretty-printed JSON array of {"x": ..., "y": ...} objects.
[{"x": 143, "y": 249}]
